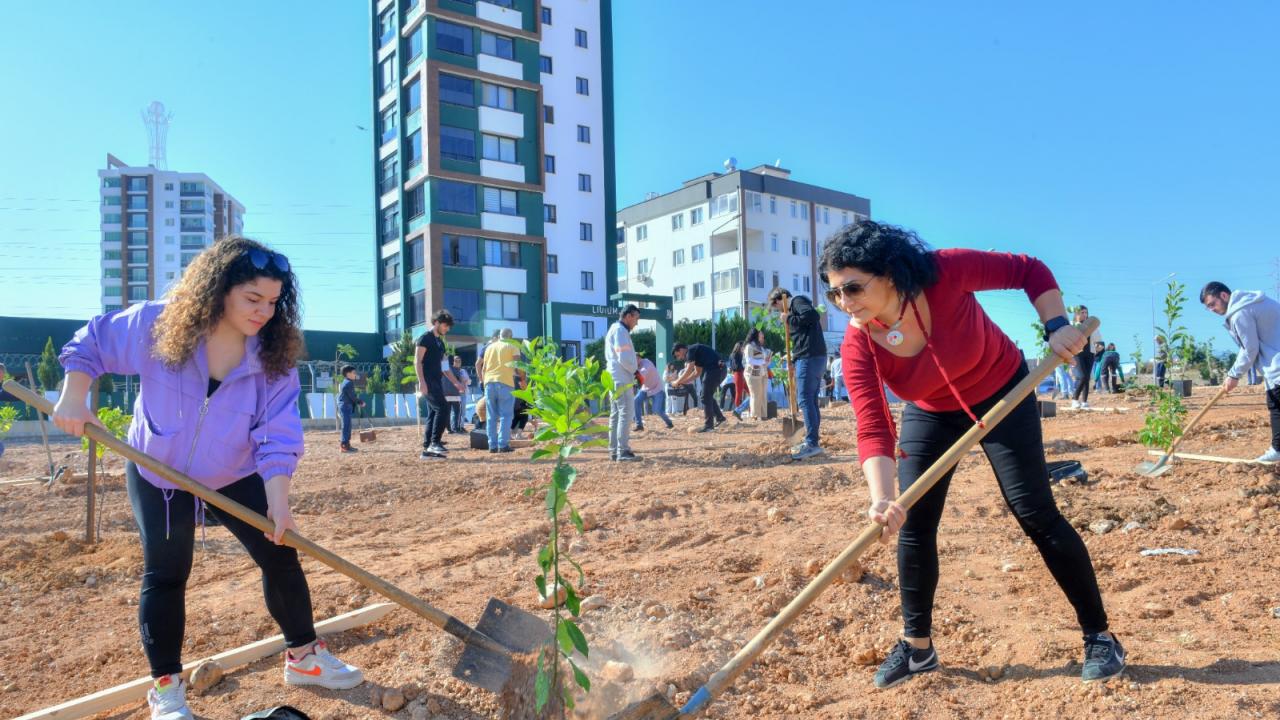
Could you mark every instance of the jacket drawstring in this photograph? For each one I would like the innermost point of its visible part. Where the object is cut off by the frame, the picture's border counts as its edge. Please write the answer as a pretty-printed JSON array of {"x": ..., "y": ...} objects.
[
  {"x": 168, "y": 495},
  {"x": 928, "y": 344},
  {"x": 200, "y": 509},
  {"x": 888, "y": 414}
]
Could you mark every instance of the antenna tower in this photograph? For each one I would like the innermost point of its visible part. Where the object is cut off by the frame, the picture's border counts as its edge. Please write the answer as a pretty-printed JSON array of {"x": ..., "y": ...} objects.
[{"x": 157, "y": 122}]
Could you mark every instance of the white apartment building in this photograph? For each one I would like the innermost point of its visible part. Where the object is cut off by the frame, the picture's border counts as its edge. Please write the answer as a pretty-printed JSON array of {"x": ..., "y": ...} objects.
[
  {"x": 154, "y": 222},
  {"x": 721, "y": 242}
]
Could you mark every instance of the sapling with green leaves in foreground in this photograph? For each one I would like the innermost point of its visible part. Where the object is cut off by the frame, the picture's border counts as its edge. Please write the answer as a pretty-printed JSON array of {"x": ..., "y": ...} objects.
[
  {"x": 1163, "y": 423},
  {"x": 568, "y": 398}
]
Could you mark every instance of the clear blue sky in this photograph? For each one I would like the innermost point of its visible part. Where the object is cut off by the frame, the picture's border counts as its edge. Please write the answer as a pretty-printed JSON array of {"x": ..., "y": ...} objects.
[{"x": 1118, "y": 144}]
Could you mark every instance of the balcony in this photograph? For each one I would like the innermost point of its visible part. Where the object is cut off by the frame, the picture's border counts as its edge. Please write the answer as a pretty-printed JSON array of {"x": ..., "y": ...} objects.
[
  {"x": 499, "y": 66},
  {"x": 503, "y": 223},
  {"x": 513, "y": 172},
  {"x": 391, "y": 285},
  {"x": 501, "y": 122},
  {"x": 501, "y": 15}
]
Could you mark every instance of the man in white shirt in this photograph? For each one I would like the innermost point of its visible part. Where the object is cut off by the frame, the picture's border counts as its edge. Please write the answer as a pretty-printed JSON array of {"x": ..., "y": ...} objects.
[{"x": 620, "y": 359}]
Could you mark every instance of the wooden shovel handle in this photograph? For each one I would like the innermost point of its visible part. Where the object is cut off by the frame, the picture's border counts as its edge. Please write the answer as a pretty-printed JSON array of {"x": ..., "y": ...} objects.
[
  {"x": 740, "y": 662},
  {"x": 1195, "y": 420},
  {"x": 437, "y": 617},
  {"x": 791, "y": 361}
]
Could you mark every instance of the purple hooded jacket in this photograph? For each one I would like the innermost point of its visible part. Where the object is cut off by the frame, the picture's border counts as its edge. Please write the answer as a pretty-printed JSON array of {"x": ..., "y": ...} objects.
[{"x": 248, "y": 425}]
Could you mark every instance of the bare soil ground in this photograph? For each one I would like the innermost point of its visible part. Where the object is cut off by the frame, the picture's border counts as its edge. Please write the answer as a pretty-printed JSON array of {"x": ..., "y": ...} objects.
[{"x": 690, "y": 562}]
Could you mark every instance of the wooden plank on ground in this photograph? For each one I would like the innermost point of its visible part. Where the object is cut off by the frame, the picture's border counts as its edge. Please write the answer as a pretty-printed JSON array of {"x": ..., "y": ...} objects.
[
  {"x": 1210, "y": 458},
  {"x": 137, "y": 689}
]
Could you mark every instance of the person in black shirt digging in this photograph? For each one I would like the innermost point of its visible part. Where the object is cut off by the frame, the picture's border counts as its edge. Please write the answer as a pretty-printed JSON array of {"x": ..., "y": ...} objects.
[
  {"x": 699, "y": 358},
  {"x": 427, "y": 361}
]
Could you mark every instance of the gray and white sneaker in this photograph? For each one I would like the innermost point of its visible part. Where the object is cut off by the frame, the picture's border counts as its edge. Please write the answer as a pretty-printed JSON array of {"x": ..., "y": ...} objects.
[
  {"x": 903, "y": 662},
  {"x": 807, "y": 451},
  {"x": 1272, "y": 455}
]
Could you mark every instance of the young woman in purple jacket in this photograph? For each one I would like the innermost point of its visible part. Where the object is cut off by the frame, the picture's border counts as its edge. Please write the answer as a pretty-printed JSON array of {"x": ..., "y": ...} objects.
[{"x": 219, "y": 402}]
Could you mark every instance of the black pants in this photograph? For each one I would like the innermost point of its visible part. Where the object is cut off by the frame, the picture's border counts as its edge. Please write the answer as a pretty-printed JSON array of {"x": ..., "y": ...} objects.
[
  {"x": 455, "y": 416},
  {"x": 1111, "y": 376},
  {"x": 1016, "y": 451},
  {"x": 1084, "y": 366},
  {"x": 711, "y": 380},
  {"x": 1273, "y": 404},
  {"x": 168, "y": 539},
  {"x": 437, "y": 415},
  {"x": 519, "y": 414},
  {"x": 1160, "y": 375}
]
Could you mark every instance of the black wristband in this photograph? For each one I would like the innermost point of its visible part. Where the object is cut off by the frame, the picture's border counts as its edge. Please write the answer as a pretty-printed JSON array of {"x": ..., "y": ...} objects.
[{"x": 1053, "y": 325}]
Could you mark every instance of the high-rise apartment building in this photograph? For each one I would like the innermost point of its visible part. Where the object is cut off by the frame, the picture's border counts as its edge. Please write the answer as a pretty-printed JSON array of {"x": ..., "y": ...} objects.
[
  {"x": 493, "y": 156},
  {"x": 154, "y": 222},
  {"x": 722, "y": 241}
]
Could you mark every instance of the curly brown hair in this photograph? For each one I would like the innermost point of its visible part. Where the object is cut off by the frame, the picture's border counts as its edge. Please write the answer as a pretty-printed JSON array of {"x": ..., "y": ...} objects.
[{"x": 197, "y": 302}]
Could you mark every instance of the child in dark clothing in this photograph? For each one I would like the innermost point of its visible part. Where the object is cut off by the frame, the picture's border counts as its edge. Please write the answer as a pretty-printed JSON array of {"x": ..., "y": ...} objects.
[{"x": 347, "y": 403}]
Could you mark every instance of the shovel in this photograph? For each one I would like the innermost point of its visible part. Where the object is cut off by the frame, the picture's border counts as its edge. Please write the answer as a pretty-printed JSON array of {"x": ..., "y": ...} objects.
[
  {"x": 790, "y": 425},
  {"x": 657, "y": 707},
  {"x": 503, "y": 630},
  {"x": 1164, "y": 464}
]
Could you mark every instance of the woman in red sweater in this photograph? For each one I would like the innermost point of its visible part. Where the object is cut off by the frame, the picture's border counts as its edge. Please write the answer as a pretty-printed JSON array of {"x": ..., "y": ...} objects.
[{"x": 917, "y": 327}]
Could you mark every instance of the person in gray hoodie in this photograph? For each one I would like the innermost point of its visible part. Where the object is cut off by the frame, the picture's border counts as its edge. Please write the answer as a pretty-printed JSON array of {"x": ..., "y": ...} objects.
[
  {"x": 1253, "y": 319},
  {"x": 620, "y": 357}
]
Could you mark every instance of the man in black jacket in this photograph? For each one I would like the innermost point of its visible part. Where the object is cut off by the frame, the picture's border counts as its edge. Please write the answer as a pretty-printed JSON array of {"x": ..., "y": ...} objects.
[
  {"x": 699, "y": 358},
  {"x": 809, "y": 352}
]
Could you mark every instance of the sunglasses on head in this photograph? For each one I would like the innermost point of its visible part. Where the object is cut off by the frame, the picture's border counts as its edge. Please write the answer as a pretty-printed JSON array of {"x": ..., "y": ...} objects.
[
  {"x": 852, "y": 288},
  {"x": 260, "y": 258}
]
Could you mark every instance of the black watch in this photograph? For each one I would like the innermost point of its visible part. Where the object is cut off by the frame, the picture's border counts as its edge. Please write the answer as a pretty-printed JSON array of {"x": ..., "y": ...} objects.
[{"x": 1053, "y": 325}]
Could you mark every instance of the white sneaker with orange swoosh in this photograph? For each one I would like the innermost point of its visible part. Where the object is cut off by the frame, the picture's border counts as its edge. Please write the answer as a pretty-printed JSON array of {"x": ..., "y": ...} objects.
[{"x": 319, "y": 667}]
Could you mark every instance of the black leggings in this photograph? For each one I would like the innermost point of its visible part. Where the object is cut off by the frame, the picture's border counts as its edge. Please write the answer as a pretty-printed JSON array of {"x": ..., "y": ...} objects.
[
  {"x": 1084, "y": 364},
  {"x": 1016, "y": 452},
  {"x": 168, "y": 539},
  {"x": 1273, "y": 405}
]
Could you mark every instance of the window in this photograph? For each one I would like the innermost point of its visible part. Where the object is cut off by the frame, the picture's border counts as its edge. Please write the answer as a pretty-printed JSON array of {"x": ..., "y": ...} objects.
[
  {"x": 844, "y": 219},
  {"x": 677, "y": 221},
  {"x": 464, "y": 305},
  {"x": 457, "y": 90},
  {"x": 826, "y": 216},
  {"x": 456, "y": 197},
  {"x": 501, "y": 253},
  {"x": 499, "y": 96},
  {"x": 775, "y": 279},
  {"x": 642, "y": 233},
  {"x": 454, "y": 38},
  {"x": 413, "y": 150},
  {"x": 418, "y": 308},
  {"x": 387, "y": 74},
  {"x": 499, "y": 45},
  {"x": 546, "y": 15},
  {"x": 588, "y": 329},
  {"x": 695, "y": 216},
  {"x": 699, "y": 290},
  {"x": 588, "y": 280},
  {"x": 499, "y": 148},
  {"x": 137, "y": 202},
  {"x": 389, "y": 225},
  {"x": 413, "y": 46},
  {"x": 773, "y": 205},
  {"x": 806, "y": 283},
  {"x": 168, "y": 222},
  {"x": 697, "y": 253},
  {"x": 388, "y": 174},
  {"x": 170, "y": 257},
  {"x": 804, "y": 211},
  {"x": 642, "y": 267},
  {"x": 755, "y": 202},
  {"x": 544, "y": 64},
  {"x": 192, "y": 241},
  {"x": 111, "y": 273},
  {"x": 415, "y": 202},
  {"x": 168, "y": 204},
  {"x": 168, "y": 187},
  {"x": 584, "y": 182},
  {"x": 795, "y": 282},
  {"x": 548, "y": 213},
  {"x": 413, "y": 97},
  {"x": 677, "y": 293},
  {"x": 111, "y": 255},
  {"x": 548, "y": 114},
  {"x": 795, "y": 211},
  {"x": 549, "y": 163},
  {"x": 138, "y": 238},
  {"x": 725, "y": 280},
  {"x": 584, "y": 88},
  {"x": 457, "y": 143},
  {"x": 773, "y": 242},
  {"x": 553, "y": 264},
  {"x": 137, "y": 184},
  {"x": 111, "y": 291},
  {"x": 724, "y": 204},
  {"x": 414, "y": 250},
  {"x": 111, "y": 218},
  {"x": 111, "y": 200},
  {"x": 192, "y": 188},
  {"x": 585, "y": 232},
  {"x": 580, "y": 38},
  {"x": 386, "y": 27},
  {"x": 501, "y": 306},
  {"x": 391, "y": 274},
  {"x": 755, "y": 278},
  {"x": 391, "y": 321},
  {"x": 138, "y": 292},
  {"x": 112, "y": 236},
  {"x": 804, "y": 247},
  {"x": 460, "y": 251},
  {"x": 387, "y": 123},
  {"x": 677, "y": 257},
  {"x": 498, "y": 200},
  {"x": 111, "y": 182},
  {"x": 584, "y": 134},
  {"x": 137, "y": 220}
]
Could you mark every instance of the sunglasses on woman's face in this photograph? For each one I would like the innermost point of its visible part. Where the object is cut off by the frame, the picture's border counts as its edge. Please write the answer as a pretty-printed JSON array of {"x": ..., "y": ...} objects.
[
  {"x": 851, "y": 289},
  {"x": 260, "y": 258}
]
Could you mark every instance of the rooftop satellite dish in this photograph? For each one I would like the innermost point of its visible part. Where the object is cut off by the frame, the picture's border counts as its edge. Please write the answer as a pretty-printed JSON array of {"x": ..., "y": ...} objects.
[{"x": 731, "y": 164}]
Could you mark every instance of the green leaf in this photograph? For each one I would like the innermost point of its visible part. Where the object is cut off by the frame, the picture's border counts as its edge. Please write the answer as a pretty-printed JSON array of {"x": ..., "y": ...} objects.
[
  {"x": 542, "y": 686},
  {"x": 566, "y": 694},
  {"x": 538, "y": 455},
  {"x": 579, "y": 640},
  {"x": 582, "y": 576},
  {"x": 580, "y": 677},
  {"x": 553, "y": 499},
  {"x": 546, "y": 434},
  {"x": 563, "y": 636},
  {"x": 541, "y": 582},
  {"x": 529, "y": 491},
  {"x": 571, "y": 600},
  {"x": 545, "y": 556},
  {"x": 564, "y": 475},
  {"x": 576, "y": 518},
  {"x": 600, "y": 442}
]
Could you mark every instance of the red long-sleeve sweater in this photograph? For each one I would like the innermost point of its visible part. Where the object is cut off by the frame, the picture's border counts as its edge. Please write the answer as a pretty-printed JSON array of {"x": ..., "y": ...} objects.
[{"x": 977, "y": 356}]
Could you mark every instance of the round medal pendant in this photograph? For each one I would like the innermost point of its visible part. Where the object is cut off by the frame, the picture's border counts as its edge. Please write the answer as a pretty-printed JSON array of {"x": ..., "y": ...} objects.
[{"x": 894, "y": 337}]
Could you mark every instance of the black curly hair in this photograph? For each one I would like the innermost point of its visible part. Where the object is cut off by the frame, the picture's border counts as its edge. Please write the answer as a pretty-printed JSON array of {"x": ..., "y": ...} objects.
[{"x": 884, "y": 250}]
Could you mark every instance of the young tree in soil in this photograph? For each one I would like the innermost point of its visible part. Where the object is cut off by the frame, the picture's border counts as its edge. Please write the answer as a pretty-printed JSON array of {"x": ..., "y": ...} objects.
[
  {"x": 49, "y": 371},
  {"x": 568, "y": 397},
  {"x": 1163, "y": 422},
  {"x": 1137, "y": 357},
  {"x": 8, "y": 414},
  {"x": 1176, "y": 338}
]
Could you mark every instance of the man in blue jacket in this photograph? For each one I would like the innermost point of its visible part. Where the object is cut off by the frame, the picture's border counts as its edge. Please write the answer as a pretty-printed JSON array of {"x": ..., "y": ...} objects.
[{"x": 1253, "y": 319}]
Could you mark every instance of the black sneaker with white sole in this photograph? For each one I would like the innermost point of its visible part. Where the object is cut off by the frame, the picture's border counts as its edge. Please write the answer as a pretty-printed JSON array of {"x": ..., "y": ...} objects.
[
  {"x": 903, "y": 662},
  {"x": 1104, "y": 657}
]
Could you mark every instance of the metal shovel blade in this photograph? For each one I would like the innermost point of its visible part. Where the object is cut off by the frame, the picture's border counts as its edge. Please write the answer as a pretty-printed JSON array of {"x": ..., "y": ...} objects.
[
  {"x": 519, "y": 631},
  {"x": 654, "y": 707},
  {"x": 1154, "y": 469},
  {"x": 791, "y": 427}
]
